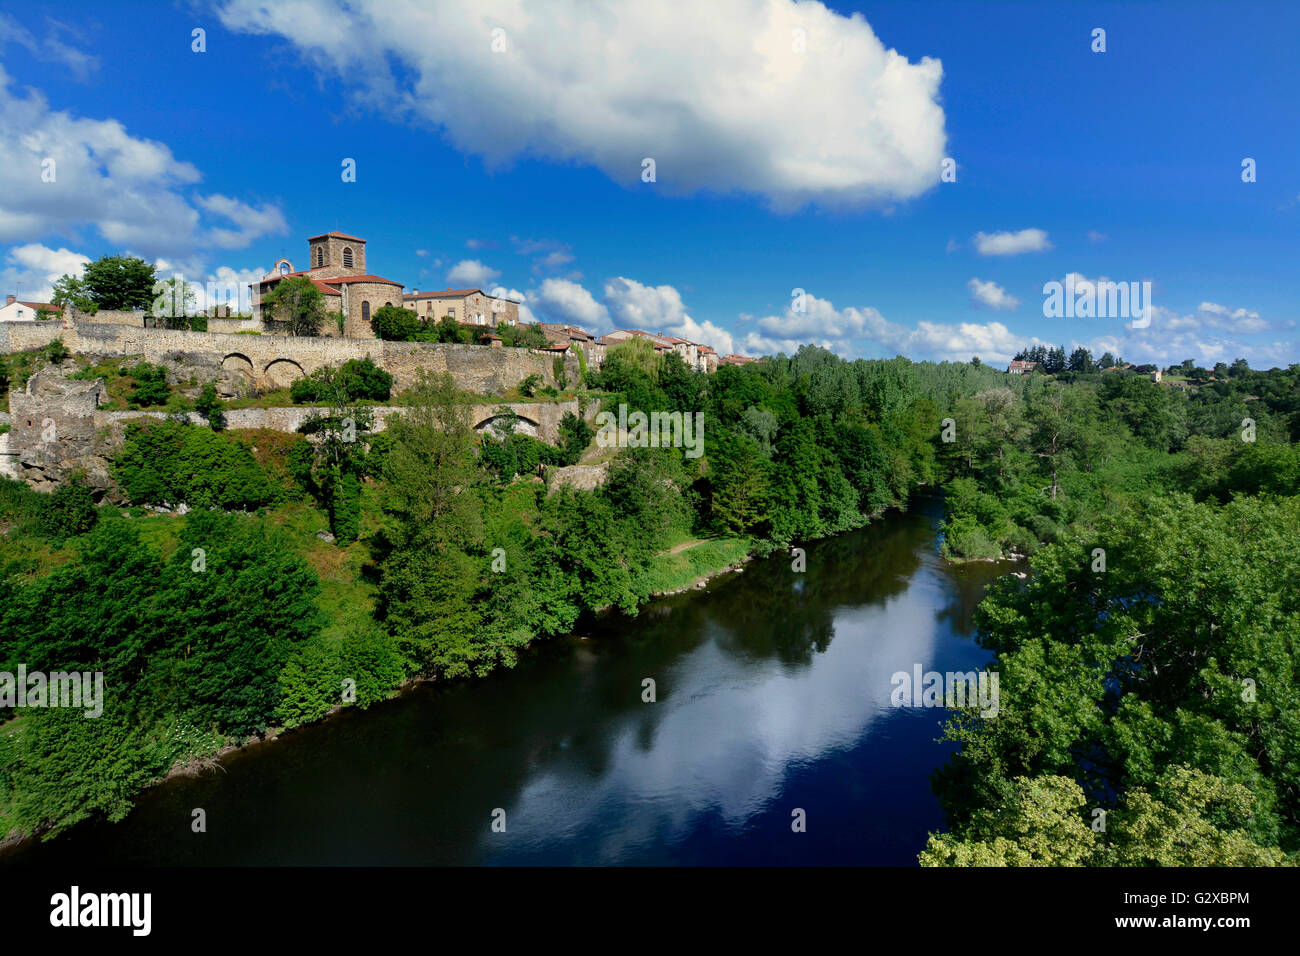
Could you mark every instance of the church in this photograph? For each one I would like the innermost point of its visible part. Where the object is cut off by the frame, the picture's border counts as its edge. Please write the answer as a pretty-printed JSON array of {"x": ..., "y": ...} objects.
[{"x": 337, "y": 267}]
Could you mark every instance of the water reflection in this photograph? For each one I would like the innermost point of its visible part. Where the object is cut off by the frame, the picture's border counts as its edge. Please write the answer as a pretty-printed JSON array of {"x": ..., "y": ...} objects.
[{"x": 773, "y": 693}]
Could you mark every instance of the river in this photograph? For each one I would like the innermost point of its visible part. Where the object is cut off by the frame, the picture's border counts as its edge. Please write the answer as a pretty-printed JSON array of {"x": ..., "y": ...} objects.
[{"x": 773, "y": 695}]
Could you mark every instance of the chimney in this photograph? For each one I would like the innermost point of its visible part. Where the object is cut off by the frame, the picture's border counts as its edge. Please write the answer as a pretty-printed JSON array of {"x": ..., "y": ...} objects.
[{"x": 10, "y": 299}]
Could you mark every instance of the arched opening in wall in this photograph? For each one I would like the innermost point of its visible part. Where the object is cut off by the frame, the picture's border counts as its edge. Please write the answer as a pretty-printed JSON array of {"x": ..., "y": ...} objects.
[
  {"x": 365, "y": 311},
  {"x": 347, "y": 257},
  {"x": 282, "y": 372},
  {"x": 238, "y": 362},
  {"x": 496, "y": 424},
  {"x": 388, "y": 304},
  {"x": 320, "y": 257}
]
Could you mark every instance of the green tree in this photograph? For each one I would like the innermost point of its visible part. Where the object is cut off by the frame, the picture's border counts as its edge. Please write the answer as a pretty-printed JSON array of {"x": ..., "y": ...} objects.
[
  {"x": 395, "y": 324},
  {"x": 296, "y": 306},
  {"x": 120, "y": 282},
  {"x": 72, "y": 290}
]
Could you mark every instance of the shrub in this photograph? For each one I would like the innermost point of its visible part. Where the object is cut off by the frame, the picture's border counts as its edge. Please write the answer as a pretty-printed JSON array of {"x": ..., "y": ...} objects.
[
  {"x": 355, "y": 380},
  {"x": 211, "y": 407},
  {"x": 394, "y": 323},
  {"x": 151, "y": 385},
  {"x": 165, "y": 461},
  {"x": 56, "y": 351},
  {"x": 68, "y": 511}
]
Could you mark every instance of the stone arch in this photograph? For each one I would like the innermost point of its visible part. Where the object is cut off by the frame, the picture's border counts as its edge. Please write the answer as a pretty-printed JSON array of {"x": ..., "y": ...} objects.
[
  {"x": 238, "y": 362},
  {"x": 282, "y": 372},
  {"x": 525, "y": 426}
]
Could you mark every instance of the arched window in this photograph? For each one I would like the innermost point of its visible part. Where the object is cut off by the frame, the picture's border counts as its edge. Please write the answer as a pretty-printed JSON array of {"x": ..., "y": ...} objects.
[
  {"x": 320, "y": 257},
  {"x": 365, "y": 311},
  {"x": 284, "y": 268},
  {"x": 347, "y": 258}
]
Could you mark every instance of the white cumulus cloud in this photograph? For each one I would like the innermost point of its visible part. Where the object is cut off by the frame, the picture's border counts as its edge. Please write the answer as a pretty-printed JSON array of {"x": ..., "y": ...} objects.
[
  {"x": 992, "y": 295},
  {"x": 567, "y": 302},
  {"x": 790, "y": 101},
  {"x": 1011, "y": 243},
  {"x": 471, "y": 273},
  {"x": 61, "y": 173}
]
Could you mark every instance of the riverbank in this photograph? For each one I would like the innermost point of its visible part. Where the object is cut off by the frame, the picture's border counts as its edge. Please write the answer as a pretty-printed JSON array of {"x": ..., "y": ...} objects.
[
  {"x": 770, "y": 684},
  {"x": 686, "y": 567}
]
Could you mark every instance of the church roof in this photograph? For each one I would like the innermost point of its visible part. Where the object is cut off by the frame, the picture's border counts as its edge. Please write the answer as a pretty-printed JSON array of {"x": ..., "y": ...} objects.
[
  {"x": 339, "y": 280},
  {"x": 318, "y": 283},
  {"x": 335, "y": 235}
]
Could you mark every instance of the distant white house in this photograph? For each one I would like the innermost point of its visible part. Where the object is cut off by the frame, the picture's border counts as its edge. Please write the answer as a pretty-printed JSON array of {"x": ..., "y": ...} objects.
[{"x": 15, "y": 310}]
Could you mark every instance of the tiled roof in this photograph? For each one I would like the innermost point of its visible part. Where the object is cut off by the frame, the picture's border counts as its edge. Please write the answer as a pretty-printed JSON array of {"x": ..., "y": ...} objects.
[
  {"x": 443, "y": 294},
  {"x": 318, "y": 283},
  {"x": 335, "y": 235},
  {"x": 344, "y": 280}
]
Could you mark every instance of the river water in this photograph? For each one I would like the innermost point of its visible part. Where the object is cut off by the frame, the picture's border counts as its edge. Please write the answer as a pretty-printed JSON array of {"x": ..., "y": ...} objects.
[{"x": 773, "y": 695}]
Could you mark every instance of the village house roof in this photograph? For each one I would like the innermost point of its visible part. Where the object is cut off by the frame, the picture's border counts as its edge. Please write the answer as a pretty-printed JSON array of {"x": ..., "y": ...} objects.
[
  {"x": 572, "y": 331},
  {"x": 443, "y": 294},
  {"x": 453, "y": 294}
]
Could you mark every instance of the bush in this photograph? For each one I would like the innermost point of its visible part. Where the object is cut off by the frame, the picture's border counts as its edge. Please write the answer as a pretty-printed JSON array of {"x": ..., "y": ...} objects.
[
  {"x": 151, "y": 385},
  {"x": 68, "y": 511},
  {"x": 56, "y": 351},
  {"x": 211, "y": 407},
  {"x": 575, "y": 436},
  {"x": 528, "y": 387},
  {"x": 395, "y": 324},
  {"x": 355, "y": 380},
  {"x": 165, "y": 461},
  {"x": 964, "y": 539}
]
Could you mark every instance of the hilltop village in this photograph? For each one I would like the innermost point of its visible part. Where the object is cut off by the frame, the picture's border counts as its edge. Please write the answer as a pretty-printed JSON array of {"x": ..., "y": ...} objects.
[{"x": 250, "y": 358}]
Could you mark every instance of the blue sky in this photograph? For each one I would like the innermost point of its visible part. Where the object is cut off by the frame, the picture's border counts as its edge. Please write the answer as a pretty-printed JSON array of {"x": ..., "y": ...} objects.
[{"x": 777, "y": 168}]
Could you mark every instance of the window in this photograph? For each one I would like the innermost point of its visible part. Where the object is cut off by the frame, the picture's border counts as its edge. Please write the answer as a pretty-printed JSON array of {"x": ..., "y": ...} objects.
[
  {"x": 320, "y": 257},
  {"x": 452, "y": 311},
  {"x": 284, "y": 268},
  {"x": 365, "y": 311},
  {"x": 347, "y": 258}
]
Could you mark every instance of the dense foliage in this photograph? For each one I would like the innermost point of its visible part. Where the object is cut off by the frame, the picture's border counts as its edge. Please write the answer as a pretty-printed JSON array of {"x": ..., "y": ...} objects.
[
  {"x": 1158, "y": 686},
  {"x": 167, "y": 462},
  {"x": 355, "y": 380}
]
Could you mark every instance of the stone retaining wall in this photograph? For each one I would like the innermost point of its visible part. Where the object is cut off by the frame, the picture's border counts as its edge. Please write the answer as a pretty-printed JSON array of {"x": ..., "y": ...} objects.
[{"x": 273, "y": 361}]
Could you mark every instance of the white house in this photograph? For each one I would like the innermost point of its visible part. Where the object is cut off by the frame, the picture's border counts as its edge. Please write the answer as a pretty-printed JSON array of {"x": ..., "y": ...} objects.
[{"x": 16, "y": 311}]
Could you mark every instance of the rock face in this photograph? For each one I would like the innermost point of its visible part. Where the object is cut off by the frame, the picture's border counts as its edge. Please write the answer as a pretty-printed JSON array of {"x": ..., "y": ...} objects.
[
  {"x": 583, "y": 477},
  {"x": 54, "y": 432}
]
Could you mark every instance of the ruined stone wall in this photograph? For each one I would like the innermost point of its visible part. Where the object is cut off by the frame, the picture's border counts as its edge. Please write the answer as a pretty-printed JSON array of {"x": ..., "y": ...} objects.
[
  {"x": 273, "y": 361},
  {"x": 54, "y": 431},
  {"x": 58, "y": 428}
]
